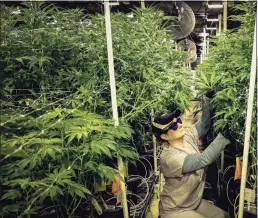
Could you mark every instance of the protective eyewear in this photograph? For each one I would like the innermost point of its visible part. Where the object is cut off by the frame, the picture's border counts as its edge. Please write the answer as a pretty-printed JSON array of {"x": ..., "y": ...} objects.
[{"x": 173, "y": 125}]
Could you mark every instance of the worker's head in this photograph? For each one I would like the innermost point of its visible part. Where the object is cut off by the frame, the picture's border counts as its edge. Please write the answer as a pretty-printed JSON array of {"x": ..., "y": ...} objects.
[{"x": 168, "y": 126}]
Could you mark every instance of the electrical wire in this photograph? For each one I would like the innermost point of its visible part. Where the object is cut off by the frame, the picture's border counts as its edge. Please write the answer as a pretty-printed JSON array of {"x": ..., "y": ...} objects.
[
  {"x": 226, "y": 170},
  {"x": 206, "y": 183},
  {"x": 138, "y": 206},
  {"x": 147, "y": 162},
  {"x": 227, "y": 192},
  {"x": 235, "y": 205},
  {"x": 144, "y": 168}
]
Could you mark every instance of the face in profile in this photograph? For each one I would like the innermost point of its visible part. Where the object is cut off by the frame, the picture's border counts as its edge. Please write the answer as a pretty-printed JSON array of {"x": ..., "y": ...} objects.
[{"x": 175, "y": 131}]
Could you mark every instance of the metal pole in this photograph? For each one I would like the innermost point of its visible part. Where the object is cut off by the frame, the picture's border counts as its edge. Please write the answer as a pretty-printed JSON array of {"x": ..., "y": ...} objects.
[
  {"x": 248, "y": 126},
  {"x": 114, "y": 102},
  {"x": 204, "y": 43},
  {"x": 142, "y": 4},
  {"x": 225, "y": 15},
  {"x": 220, "y": 23},
  {"x": 208, "y": 45}
]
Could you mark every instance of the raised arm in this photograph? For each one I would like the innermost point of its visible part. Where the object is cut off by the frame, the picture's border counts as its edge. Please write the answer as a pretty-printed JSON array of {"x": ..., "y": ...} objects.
[
  {"x": 193, "y": 162},
  {"x": 203, "y": 124}
]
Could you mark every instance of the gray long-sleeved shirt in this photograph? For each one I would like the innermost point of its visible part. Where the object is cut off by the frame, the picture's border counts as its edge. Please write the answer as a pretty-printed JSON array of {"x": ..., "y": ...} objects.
[{"x": 193, "y": 162}]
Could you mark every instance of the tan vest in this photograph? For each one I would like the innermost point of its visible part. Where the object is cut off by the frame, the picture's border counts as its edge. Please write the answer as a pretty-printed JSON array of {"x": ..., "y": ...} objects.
[{"x": 181, "y": 191}]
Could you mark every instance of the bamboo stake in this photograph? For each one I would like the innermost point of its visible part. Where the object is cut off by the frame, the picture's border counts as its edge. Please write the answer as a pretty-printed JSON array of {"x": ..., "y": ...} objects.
[
  {"x": 154, "y": 146},
  {"x": 248, "y": 125},
  {"x": 114, "y": 101},
  {"x": 225, "y": 25}
]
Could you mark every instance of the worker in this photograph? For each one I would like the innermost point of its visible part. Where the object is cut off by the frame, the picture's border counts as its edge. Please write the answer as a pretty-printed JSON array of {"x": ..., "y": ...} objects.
[{"x": 183, "y": 166}]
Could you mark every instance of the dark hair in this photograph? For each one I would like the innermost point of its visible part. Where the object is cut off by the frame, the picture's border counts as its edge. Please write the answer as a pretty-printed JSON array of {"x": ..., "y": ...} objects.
[{"x": 164, "y": 117}]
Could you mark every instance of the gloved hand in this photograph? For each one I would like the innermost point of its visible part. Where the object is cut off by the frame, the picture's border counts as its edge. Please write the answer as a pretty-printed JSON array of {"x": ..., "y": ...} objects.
[
  {"x": 211, "y": 92},
  {"x": 220, "y": 139}
]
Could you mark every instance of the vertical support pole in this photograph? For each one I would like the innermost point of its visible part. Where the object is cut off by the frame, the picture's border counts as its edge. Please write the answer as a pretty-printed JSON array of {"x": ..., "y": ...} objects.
[
  {"x": 114, "y": 100},
  {"x": 248, "y": 125},
  {"x": 142, "y": 4},
  {"x": 220, "y": 24},
  {"x": 222, "y": 157},
  {"x": 208, "y": 45},
  {"x": 225, "y": 15},
  {"x": 154, "y": 147},
  {"x": 204, "y": 43}
]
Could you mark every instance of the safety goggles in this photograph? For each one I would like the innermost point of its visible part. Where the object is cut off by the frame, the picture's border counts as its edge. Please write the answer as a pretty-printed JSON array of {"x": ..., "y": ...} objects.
[
  {"x": 173, "y": 125},
  {"x": 170, "y": 125},
  {"x": 165, "y": 121}
]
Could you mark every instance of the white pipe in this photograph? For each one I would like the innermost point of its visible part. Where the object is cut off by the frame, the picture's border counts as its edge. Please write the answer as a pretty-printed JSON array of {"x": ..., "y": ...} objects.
[
  {"x": 220, "y": 24},
  {"x": 204, "y": 43},
  {"x": 248, "y": 125},
  {"x": 142, "y": 4},
  {"x": 114, "y": 101},
  {"x": 112, "y": 79},
  {"x": 225, "y": 15},
  {"x": 208, "y": 46}
]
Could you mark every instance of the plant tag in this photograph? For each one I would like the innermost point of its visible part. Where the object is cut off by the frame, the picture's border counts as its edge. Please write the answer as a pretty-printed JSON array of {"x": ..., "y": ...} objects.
[
  {"x": 96, "y": 206},
  {"x": 250, "y": 195}
]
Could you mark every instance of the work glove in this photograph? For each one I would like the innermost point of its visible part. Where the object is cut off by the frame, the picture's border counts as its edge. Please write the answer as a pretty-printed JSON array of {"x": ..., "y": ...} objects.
[{"x": 211, "y": 92}]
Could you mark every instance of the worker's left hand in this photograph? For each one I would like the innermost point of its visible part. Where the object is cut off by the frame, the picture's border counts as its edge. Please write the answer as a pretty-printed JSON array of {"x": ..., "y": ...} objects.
[{"x": 211, "y": 92}]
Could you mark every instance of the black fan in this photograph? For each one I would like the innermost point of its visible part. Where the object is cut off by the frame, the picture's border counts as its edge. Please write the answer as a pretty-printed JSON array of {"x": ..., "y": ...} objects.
[{"x": 184, "y": 23}]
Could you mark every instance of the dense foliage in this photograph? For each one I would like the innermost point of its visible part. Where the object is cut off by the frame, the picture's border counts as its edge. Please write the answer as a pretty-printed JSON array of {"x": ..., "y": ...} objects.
[
  {"x": 58, "y": 142},
  {"x": 227, "y": 68}
]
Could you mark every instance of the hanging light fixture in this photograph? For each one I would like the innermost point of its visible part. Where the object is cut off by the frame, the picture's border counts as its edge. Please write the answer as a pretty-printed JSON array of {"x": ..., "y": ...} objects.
[
  {"x": 215, "y": 6},
  {"x": 213, "y": 19},
  {"x": 114, "y": 3},
  {"x": 203, "y": 34},
  {"x": 211, "y": 28}
]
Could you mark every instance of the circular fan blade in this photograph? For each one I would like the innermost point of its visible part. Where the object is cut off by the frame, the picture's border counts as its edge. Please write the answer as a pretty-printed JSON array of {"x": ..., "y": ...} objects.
[
  {"x": 185, "y": 22},
  {"x": 188, "y": 46}
]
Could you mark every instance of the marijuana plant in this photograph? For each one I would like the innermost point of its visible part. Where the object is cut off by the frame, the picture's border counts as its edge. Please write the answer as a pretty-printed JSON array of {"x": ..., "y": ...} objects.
[
  {"x": 228, "y": 69},
  {"x": 57, "y": 139}
]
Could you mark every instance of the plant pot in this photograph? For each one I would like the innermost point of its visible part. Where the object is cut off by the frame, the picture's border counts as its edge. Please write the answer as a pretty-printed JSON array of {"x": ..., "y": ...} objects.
[
  {"x": 249, "y": 214},
  {"x": 116, "y": 213},
  {"x": 113, "y": 211}
]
